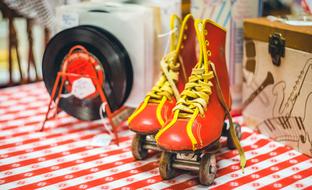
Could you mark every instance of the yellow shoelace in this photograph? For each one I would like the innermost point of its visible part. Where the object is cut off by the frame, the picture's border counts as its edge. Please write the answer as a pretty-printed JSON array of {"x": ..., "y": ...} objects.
[
  {"x": 196, "y": 94},
  {"x": 232, "y": 128},
  {"x": 165, "y": 87}
]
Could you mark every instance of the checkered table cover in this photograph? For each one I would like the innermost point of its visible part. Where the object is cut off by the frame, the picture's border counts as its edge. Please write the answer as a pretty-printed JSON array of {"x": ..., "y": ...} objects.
[{"x": 63, "y": 156}]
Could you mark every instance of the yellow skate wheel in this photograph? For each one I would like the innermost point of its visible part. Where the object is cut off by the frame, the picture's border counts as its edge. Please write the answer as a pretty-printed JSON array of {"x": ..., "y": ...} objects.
[
  {"x": 137, "y": 147},
  {"x": 165, "y": 165},
  {"x": 207, "y": 169}
]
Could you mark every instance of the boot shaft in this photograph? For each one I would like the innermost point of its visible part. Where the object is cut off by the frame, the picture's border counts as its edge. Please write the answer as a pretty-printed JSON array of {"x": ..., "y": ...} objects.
[
  {"x": 186, "y": 49},
  {"x": 215, "y": 37}
]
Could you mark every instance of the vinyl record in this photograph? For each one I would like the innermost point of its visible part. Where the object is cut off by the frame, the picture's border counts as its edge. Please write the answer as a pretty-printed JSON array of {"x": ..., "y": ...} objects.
[{"x": 112, "y": 57}]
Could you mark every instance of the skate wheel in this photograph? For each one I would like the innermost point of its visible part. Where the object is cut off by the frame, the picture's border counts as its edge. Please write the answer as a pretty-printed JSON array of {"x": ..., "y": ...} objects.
[
  {"x": 165, "y": 165},
  {"x": 230, "y": 143},
  {"x": 207, "y": 169},
  {"x": 138, "y": 151}
]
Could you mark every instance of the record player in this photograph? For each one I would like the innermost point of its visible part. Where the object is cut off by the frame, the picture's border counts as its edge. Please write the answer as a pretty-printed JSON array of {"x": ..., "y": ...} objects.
[{"x": 118, "y": 38}]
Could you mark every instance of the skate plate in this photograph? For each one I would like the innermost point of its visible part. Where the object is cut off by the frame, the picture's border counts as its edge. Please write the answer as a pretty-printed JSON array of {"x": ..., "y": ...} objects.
[{"x": 202, "y": 161}]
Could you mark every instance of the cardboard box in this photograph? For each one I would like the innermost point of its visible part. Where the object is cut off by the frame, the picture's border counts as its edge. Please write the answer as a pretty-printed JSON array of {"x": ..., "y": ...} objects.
[{"x": 277, "y": 87}]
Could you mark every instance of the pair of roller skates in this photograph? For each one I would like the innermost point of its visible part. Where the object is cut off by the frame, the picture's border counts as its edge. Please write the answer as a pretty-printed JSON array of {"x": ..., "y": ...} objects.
[{"x": 183, "y": 115}]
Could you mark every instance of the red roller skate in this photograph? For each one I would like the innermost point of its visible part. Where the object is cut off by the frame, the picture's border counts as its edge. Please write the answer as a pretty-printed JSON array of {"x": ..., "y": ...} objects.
[
  {"x": 176, "y": 66},
  {"x": 191, "y": 136}
]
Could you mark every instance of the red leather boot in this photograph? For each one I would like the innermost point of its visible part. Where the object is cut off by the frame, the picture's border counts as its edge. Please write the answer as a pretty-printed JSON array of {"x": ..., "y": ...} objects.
[
  {"x": 176, "y": 66},
  {"x": 192, "y": 133}
]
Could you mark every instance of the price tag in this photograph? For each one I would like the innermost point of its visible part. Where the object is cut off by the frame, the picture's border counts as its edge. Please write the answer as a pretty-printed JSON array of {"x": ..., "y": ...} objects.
[
  {"x": 82, "y": 88},
  {"x": 101, "y": 140}
]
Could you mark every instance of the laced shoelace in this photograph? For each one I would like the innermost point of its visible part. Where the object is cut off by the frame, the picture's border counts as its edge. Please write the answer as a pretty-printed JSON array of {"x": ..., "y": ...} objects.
[
  {"x": 165, "y": 86},
  {"x": 195, "y": 97}
]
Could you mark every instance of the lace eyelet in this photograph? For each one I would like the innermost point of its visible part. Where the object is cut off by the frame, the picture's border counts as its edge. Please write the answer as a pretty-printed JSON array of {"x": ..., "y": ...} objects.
[
  {"x": 205, "y": 31},
  {"x": 184, "y": 37},
  {"x": 186, "y": 27},
  {"x": 182, "y": 46},
  {"x": 209, "y": 53},
  {"x": 207, "y": 42}
]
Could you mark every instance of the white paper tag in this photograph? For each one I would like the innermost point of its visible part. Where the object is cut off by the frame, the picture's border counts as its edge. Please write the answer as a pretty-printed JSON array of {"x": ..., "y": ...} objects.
[
  {"x": 298, "y": 22},
  {"x": 290, "y": 22},
  {"x": 101, "y": 140},
  {"x": 82, "y": 88},
  {"x": 69, "y": 20}
]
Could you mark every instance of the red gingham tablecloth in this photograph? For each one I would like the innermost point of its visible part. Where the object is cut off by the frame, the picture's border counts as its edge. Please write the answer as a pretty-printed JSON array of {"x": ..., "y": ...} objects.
[{"x": 64, "y": 156}]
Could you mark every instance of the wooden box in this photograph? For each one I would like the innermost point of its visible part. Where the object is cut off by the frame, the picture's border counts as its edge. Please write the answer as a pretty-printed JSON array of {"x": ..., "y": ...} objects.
[{"x": 277, "y": 83}]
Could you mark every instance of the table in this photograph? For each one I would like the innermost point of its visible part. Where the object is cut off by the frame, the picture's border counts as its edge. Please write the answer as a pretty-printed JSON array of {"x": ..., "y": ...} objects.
[{"x": 64, "y": 155}]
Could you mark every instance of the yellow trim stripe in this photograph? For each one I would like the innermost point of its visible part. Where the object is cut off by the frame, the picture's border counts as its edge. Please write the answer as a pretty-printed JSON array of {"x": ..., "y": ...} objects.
[
  {"x": 174, "y": 37},
  {"x": 214, "y": 23},
  {"x": 184, "y": 23},
  {"x": 189, "y": 128},
  {"x": 139, "y": 110},
  {"x": 158, "y": 111},
  {"x": 162, "y": 130}
]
